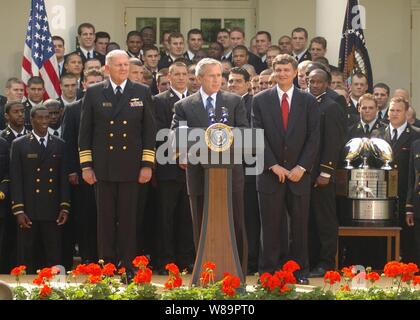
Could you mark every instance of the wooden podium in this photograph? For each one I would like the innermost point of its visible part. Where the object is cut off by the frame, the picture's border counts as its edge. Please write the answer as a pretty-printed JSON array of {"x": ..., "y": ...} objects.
[{"x": 217, "y": 242}]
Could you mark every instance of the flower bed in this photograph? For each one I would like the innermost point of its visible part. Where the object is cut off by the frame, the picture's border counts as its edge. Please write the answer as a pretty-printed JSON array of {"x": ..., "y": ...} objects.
[{"x": 105, "y": 282}]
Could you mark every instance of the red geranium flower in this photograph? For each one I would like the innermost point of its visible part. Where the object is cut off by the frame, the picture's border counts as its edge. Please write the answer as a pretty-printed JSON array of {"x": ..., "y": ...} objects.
[
  {"x": 143, "y": 276},
  {"x": 109, "y": 270},
  {"x": 140, "y": 261},
  {"x": 45, "y": 291},
  {"x": 373, "y": 277},
  {"x": 209, "y": 266},
  {"x": 332, "y": 277},
  {"x": 172, "y": 268},
  {"x": 291, "y": 266},
  {"x": 18, "y": 271}
]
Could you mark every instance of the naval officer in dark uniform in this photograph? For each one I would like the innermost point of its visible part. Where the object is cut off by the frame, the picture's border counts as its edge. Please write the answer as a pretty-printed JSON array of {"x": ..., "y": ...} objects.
[
  {"x": 40, "y": 192},
  {"x": 117, "y": 142}
]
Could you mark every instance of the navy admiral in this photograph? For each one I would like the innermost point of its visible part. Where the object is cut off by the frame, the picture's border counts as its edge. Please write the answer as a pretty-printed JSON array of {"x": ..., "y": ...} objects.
[{"x": 116, "y": 144}]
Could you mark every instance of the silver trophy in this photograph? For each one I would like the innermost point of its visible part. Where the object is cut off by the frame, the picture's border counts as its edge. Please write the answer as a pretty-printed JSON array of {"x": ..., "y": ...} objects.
[
  {"x": 352, "y": 151},
  {"x": 382, "y": 151}
]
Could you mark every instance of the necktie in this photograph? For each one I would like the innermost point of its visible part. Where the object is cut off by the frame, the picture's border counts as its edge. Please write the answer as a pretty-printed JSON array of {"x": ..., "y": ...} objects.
[
  {"x": 209, "y": 104},
  {"x": 88, "y": 55},
  {"x": 56, "y": 133},
  {"x": 285, "y": 110},
  {"x": 379, "y": 115},
  {"x": 183, "y": 96},
  {"x": 118, "y": 93},
  {"x": 41, "y": 142},
  {"x": 394, "y": 136},
  {"x": 19, "y": 135},
  {"x": 366, "y": 128}
]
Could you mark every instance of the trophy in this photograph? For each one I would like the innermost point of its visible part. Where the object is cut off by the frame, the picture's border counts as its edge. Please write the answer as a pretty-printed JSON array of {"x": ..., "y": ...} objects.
[
  {"x": 382, "y": 151},
  {"x": 352, "y": 151}
]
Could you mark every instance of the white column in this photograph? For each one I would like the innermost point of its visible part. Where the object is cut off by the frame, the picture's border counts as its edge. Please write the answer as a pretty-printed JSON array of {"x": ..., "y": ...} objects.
[
  {"x": 329, "y": 24},
  {"x": 62, "y": 21}
]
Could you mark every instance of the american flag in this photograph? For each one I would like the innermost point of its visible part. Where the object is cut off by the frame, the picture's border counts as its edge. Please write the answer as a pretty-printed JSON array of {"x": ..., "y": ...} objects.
[
  {"x": 38, "y": 55},
  {"x": 354, "y": 56}
]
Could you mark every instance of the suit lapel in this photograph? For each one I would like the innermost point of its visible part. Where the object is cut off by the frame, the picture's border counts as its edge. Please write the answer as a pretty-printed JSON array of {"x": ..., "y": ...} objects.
[
  {"x": 405, "y": 135},
  {"x": 124, "y": 98},
  {"x": 108, "y": 92},
  {"x": 276, "y": 111},
  {"x": 199, "y": 110},
  {"x": 50, "y": 147},
  {"x": 295, "y": 110}
]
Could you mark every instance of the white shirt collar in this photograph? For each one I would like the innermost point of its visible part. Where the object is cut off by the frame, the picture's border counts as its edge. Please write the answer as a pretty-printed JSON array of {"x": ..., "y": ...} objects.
[
  {"x": 400, "y": 130},
  {"x": 179, "y": 94},
  {"x": 300, "y": 55},
  {"x": 23, "y": 132},
  {"x": 355, "y": 102},
  {"x": 204, "y": 96},
  {"x": 38, "y": 138},
  {"x": 114, "y": 86},
  {"x": 51, "y": 131},
  {"x": 190, "y": 54},
  {"x": 33, "y": 104},
  {"x": 85, "y": 52},
  {"x": 289, "y": 94},
  {"x": 66, "y": 102},
  {"x": 264, "y": 58},
  {"x": 227, "y": 55},
  {"x": 371, "y": 124}
]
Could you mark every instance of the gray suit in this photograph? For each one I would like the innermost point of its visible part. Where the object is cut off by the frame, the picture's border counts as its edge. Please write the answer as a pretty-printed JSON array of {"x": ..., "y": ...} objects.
[{"x": 192, "y": 110}]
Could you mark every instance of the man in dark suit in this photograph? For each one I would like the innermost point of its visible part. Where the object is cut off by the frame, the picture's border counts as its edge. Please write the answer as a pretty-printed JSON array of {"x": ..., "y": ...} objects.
[
  {"x": 195, "y": 44},
  {"x": 381, "y": 93},
  {"x": 86, "y": 37},
  {"x": 83, "y": 196},
  {"x": 116, "y": 143},
  {"x": 174, "y": 216},
  {"x": 4, "y": 190},
  {"x": 290, "y": 119},
  {"x": 176, "y": 50},
  {"x": 14, "y": 90},
  {"x": 239, "y": 83},
  {"x": 15, "y": 117},
  {"x": 40, "y": 193},
  {"x": 36, "y": 90},
  {"x": 323, "y": 215},
  {"x": 194, "y": 110},
  {"x": 359, "y": 86},
  {"x": 368, "y": 109},
  {"x": 400, "y": 135},
  {"x": 412, "y": 205},
  {"x": 299, "y": 44}
]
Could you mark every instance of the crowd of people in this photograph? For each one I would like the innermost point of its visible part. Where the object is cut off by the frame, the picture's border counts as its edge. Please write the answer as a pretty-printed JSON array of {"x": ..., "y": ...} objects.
[{"x": 79, "y": 175}]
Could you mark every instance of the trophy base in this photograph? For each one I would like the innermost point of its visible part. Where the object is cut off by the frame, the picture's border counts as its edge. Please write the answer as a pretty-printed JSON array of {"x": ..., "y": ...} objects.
[{"x": 373, "y": 210}]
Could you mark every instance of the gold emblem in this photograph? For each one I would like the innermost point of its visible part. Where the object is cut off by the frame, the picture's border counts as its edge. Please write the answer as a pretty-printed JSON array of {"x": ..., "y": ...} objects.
[{"x": 219, "y": 137}]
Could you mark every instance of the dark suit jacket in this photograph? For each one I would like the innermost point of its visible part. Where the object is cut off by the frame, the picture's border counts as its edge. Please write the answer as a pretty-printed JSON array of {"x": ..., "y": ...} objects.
[
  {"x": 305, "y": 56},
  {"x": 4, "y": 176},
  {"x": 358, "y": 131},
  {"x": 413, "y": 192},
  {"x": 96, "y": 55},
  {"x": 28, "y": 108},
  {"x": 248, "y": 106},
  {"x": 191, "y": 109},
  {"x": 296, "y": 146},
  {"x": 353, "y": 115},
  {"x": 117, "y": 139},
  {"x": 8, "y": 135},
  {"x": 401, "y": 155},
  {"x": 39, "y": 184},
  {"x": 2, "y": 118},
  {"x": 71, "y": 125},
  {"x": 332, "y": 137},
  {"x": 164, "y": 62},
  {"x": 164, "y": 112}
]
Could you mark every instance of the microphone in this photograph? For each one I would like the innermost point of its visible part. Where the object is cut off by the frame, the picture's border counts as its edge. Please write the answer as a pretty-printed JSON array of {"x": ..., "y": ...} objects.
[
  {"x": 212, "y": 116},
  {"x": 225, "y": 115}
]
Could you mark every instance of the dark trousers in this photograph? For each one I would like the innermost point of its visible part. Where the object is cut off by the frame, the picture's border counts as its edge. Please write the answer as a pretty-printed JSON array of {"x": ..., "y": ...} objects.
[
  {"x": 408, "y": 250},
  {"x": 197, "y": 205},
  {"x": 85, "y": 221},
  {"x": 275, "y": 249},
  {"x": 416, "y": 244},
  {"x": 323, "y": 227},
  {"x": 252, "y": 223},
  {"x": 117, "y": 213},
  {"x": 8, "y": 244},
  {"x": 174, "y": 224},
  {"x": 42, "y": 234}
]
